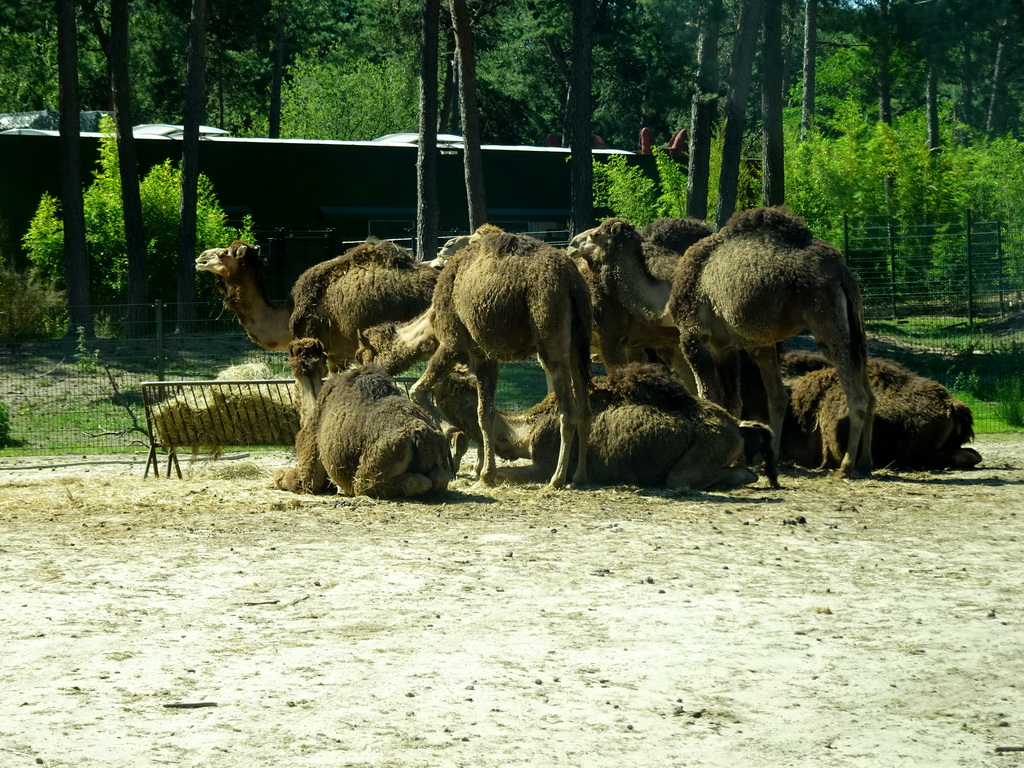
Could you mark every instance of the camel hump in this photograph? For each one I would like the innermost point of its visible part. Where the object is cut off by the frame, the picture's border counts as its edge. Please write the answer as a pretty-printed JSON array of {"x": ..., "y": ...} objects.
[
  {"x": 646, "y": 384},
  {"x": 774, "y": 222},
  {"x": 373, "y": 382},
  {"x": 676, "y": 234},
  {"x": 379, "y": 253}
]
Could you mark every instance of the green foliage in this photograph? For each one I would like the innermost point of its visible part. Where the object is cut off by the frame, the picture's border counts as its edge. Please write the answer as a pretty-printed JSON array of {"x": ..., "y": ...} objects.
[
  {"x": 27, "y": 65},
  {"x": 631, "y": 194},
  {"x": 5, "y": 426},
  {"x": 337, "y": 97},
  {"x": 86, "y": 360},
  {"x": 160, "y": 191},
  {"x": 30, "y": 308}
]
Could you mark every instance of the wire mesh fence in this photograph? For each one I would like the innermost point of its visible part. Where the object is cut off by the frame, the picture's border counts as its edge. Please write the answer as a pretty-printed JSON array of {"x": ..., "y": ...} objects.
[{"x": 942, "y": 295}]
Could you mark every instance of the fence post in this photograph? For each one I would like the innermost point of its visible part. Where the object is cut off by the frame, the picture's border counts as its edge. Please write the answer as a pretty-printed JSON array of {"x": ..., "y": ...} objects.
[
  {"x": 970, "y": 267},
  {"x": 999, "y": 266},
  {"x": 159, "y": 313},
  {"x": 846, "y": 237},
  {"x": 891, "y": 235}
]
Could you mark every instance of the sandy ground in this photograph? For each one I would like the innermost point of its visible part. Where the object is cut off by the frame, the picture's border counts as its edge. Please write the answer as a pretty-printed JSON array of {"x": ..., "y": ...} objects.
[{"x": 830, "y": 623}]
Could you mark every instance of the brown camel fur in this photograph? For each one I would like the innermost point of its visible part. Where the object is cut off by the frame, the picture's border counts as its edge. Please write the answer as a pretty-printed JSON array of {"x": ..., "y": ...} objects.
[
  {"x": 760, "y": 280},
  {"x": 504, "y": 297},
  {"x": 918, "y": 425},
  {"x": 626, "y": 329},
  {"x": 372, "y": 283},
  {"x": 647, "y": 430},
  {"x": 367, "y": 439}
]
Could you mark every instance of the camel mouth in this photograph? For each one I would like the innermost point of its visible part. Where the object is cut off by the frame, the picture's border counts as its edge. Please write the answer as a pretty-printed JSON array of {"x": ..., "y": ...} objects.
[{"x": 208, "y": 261}]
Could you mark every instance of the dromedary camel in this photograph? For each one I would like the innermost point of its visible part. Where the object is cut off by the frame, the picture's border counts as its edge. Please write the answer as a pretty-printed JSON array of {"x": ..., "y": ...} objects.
[
  {"x": 372, "y": 283},
  {"x": 763, "y": 278},
  {"x": 503, "y": 297},
  {"x": 918, "y": 424},
  {"x": 365, "y": 437},
  {"x": 647, "y": 430},
  {"x": 627, "y": 330}
]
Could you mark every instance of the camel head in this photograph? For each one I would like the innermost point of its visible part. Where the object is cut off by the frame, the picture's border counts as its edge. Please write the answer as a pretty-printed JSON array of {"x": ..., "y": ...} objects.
[
  {"x": 609, "y": 235},
  {"x": 226, "y": 262},
  {"x": 308, "y": 361}
]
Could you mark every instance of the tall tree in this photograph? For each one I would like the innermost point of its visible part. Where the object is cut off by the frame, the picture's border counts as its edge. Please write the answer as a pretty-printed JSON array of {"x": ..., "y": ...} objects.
[
  {"x": 277, "y": 70},
  {"x": 131, "y": 200},
  {"x": 704, "y": 108},
  {"x": 76, "y": 261},
  {"x": 426, "y": 160},
  {"x": 810, "y": 68},
  {"x": 195, "y": 108},
  {"x": 883, "y": 55},
  {"x": 581, "y": 168},
  {"x": 740, "y": 72},
  {"x": 994, "y": 119},
  {"x": 773, "y": 175},
  {"x": 476, "y": 200}
]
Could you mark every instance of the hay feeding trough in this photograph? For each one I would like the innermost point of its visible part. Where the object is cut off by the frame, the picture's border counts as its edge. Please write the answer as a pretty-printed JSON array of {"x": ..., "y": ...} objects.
[{"x": 209, "y": 415}]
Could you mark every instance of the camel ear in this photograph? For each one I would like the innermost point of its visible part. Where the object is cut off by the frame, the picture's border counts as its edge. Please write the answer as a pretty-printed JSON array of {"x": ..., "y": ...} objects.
[{"x": 245, "y": 248}]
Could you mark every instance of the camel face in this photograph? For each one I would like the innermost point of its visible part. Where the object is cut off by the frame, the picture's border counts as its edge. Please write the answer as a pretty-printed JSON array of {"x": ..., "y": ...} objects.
[{"x": 226, "y": 262}]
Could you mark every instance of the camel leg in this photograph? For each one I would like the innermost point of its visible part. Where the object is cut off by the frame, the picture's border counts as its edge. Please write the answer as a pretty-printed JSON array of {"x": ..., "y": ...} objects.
[
  {"x": 439, "y": 364},
  {"x": 583, "y": 420},
  {"x": 767, "y": 361},
  {"x": 860, "y": 400},
  {"x": 699, "y": 357},
  {"x": 309, "y": 475},
  {"x": 487, "y": 385},
  {"x": 696, "y": 470},
  {"x": 561, "y": 383}
]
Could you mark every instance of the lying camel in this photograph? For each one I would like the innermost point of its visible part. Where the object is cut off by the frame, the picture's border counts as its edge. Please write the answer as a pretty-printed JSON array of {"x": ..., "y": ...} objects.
[
  {"x": 647, "y": 430},
  {"x": 365, "y": 437},
  {"x": 918, "y": 424}
]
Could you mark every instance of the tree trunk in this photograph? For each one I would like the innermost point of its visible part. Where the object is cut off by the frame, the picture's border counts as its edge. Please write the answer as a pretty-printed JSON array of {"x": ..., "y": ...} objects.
[
  {"x": 195, "y": 108},
  {"x": 773, "y": 179},
  {"x": 476, "y": 201},
  {"x": 736, "y": 107},
  {"x": 704, "y": 109},
  {"x": 810, "y": 69},
  {"x": 131, "y": 200},
  {"x": 580, "y": 109},
  {"x": 884, "y": 49},
  {"x": 277, "y": 72},
  {"x": 426, "y": 161},
  {"x": 993, "y": 123},
  {"x": 932, "y": 103},
  {"x": 76, "y": 260}
]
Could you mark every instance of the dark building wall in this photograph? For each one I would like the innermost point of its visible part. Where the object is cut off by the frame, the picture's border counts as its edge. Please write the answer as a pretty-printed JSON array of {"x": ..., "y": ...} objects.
[{"x": 355, "y": 188}]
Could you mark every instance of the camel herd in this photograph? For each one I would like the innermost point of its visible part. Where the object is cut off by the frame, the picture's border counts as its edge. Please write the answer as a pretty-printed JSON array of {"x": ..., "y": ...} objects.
[{"x": 687, "y": 321}]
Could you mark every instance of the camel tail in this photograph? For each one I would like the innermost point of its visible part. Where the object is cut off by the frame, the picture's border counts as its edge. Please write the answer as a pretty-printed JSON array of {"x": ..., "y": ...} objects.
[{"x": 855, "y": 321}]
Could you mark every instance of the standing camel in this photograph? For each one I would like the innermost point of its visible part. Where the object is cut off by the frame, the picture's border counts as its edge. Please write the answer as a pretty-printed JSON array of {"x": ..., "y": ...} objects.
[
  {"x": 763, "y": 278},
  {"x": 504, "y": 297},
  {"x": 372, "y": 283},
  {"x": 627, "y": 329}
]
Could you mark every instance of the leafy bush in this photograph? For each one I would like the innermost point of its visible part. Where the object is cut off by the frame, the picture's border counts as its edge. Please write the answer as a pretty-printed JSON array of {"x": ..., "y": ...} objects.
[
  {"x": 160, "y": 190},
  {"x": 5, "y": 426},
  {"x": 29, "y": 308}
]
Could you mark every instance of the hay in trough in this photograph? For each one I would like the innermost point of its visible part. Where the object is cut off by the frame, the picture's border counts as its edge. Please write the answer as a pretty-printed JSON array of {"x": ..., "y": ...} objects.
[{"x": 232, "y": 410}]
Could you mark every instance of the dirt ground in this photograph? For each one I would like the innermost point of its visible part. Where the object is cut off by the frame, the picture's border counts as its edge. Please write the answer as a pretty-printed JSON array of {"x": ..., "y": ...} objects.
[{"x": 214, "y": 621}]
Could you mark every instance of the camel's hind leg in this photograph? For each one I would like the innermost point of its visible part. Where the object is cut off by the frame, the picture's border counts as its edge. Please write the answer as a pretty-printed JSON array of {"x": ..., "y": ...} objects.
[
  {"x": 573, "y": 420},
  {"x": 860, "y": 401},
  {"x": 767, "y": 360},
  {"x": 487, "y": 386}
]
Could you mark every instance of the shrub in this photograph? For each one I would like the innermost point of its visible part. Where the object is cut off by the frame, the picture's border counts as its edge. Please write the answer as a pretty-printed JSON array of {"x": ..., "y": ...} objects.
[
  {"x": 5, "y": 426},
  {"x": 29, "y": 308},
  {"x": 160, "y": 191}
]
